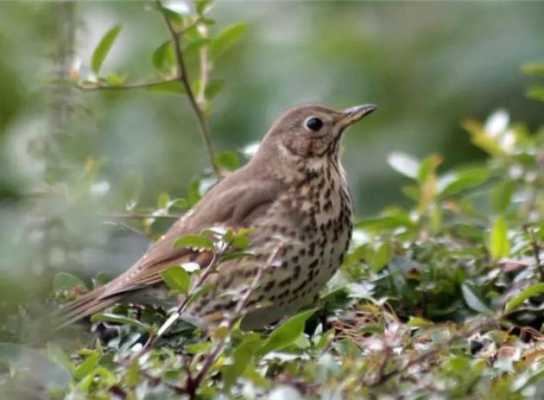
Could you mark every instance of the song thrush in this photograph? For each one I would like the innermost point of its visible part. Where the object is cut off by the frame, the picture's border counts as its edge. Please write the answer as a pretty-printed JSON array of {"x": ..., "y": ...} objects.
[{"x": 293, "y": 195}]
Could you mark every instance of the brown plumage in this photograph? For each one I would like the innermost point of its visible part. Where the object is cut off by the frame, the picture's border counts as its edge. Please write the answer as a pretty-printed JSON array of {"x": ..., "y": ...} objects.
[{"x": 294, "y": 196}]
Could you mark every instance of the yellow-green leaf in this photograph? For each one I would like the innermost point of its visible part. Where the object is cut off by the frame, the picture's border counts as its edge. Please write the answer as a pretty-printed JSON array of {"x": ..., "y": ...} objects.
[
  {"x": 517, "y": 300},
  {"x": 103, "y": 48},
  {"x": 499, "y": 245}
]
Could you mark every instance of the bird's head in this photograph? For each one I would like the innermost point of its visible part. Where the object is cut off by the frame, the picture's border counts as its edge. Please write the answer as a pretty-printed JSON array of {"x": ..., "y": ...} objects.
[{"x": 311, "y": 131}]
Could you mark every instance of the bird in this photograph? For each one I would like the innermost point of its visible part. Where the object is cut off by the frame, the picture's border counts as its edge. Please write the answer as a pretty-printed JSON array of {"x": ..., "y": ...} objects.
[{"x": 292, "y": 196}]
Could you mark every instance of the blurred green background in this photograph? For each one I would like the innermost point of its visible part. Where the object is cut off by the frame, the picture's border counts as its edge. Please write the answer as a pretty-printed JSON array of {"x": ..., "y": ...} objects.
[{"x": 71, "y": 159}]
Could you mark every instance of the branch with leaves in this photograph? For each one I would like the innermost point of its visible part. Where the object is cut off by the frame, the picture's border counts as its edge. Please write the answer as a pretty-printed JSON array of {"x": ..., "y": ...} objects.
[{"x": 189, "y": 38}]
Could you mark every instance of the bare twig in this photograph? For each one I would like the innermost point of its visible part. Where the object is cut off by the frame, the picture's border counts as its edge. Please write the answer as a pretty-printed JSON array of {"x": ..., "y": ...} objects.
[
  {"x": 204, "y": 69},
  {"x": 183, "y": 77}
]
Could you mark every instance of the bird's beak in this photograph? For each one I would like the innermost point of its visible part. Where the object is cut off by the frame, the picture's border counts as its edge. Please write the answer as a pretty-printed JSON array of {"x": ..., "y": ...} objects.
[{"x": 353, "y": 114}]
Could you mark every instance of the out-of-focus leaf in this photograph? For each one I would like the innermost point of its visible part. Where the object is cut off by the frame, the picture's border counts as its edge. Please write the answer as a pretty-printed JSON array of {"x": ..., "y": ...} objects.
[
  {"x": 226, "y": 39},
  {"x": 103, "y": 48},
  {"x": 473, "y": 301},
  {"x": 214, "y": 88},
  {"x": 196, "y": 241},
  {"x": 536, "y": 92},
  {"x": 390, "y": 221},
  {"x": 404, "y": 164},
  {"x": 286, "y": 333},
  {"x": 171, "y": 87},
  {"x": 536, "y": 69},
  {"x": 88, "y": 365},
  {"x": 427, "y": 168},
  {"x": 499, "y": 245},
  {"x": 227, "y": 160},
  {"x": 481, "y": 139},
  {"x": 202, "y": 6},
  {"x": 163, "y": 200},
  {"x": 502, "y": 195},
  {"x": 116, "y": 80},
  {"x": 517, "y": 300},
  {"x": 163, "y": 56},
  {"x": 119, "y": 319},
  {"x": 66, "y": 281},
  {"x": 463, "y": 180},
  {"x": 380, "y": 256},
  {"x": 177, "y": 279},
  {"x": 195, "y": 45},
  {"x": 241, "y": 359}
]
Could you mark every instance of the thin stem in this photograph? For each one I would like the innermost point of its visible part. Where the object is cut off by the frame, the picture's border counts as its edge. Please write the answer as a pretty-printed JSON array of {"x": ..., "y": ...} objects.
[
  {"x": 183, "y": 77},
  {"x": 91, "y": 86},
  {"x": 204, "y": 69}
]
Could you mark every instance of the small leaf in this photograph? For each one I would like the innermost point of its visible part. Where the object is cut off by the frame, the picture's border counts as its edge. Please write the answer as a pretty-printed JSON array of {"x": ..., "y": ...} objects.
[
  {"x": 536, "y": 69},
  {"x": 177, "y": 279},
  {"x": 119, "y": 319},
  {"x": 536, "y": 92},
  {"x": 462, "y": 180},
  {"x": 501, "y": 195},
  {"x": 499, "y": 245},
  {"x": 196, "y": 241},
  {"x": 171, "y": 87},
  {"x": 404, "y": 164},
  {"x": 242, "y": 357},
  {"x": 287, "y": 333},
  {"x": 226, "y": 39},
  {"x": 517, "y": 300},
  {"x": 66, "y": 281},
  {"x": 103, "y": 48},
  {"x": 163, "y": 200},
  {"x": 227, "y": 160},
  {"x": 473, "y": 301},
  {"x": 88, "y": 365},
  {"x": 163, "y": 56},
  {"x": 481, "y": 138},
  {"x": 214, "y": 88},
  {"x": 380, "y": 257}
]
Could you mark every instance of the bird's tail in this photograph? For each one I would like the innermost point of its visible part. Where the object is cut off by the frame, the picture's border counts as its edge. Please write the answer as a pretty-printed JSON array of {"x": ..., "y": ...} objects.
[{"x": 84, "y": 306}]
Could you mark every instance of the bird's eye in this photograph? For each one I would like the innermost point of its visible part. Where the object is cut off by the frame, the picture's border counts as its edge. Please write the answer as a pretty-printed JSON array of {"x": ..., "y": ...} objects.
[{"x": 313, "y": 123}]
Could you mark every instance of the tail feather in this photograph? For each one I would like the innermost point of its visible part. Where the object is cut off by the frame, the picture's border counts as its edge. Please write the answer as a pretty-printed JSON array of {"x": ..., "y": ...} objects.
[{"x": 82, "y": 307}]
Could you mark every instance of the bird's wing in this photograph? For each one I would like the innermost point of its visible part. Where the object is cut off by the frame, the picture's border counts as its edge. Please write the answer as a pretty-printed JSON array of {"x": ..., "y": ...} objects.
[{"x": 229, "y": 205}]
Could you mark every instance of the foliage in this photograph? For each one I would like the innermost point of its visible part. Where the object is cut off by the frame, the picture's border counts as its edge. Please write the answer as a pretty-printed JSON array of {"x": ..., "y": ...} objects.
[{"x": 442, "y": 298}]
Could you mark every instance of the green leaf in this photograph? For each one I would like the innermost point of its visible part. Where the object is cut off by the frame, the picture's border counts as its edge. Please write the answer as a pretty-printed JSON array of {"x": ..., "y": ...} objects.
[
  {"x": 103, "y": 48},
  {"x": 404, "y": 164},
  {"x": 214, "y": 88},
  {"x": 163, "y": 200},
  {"x": 481, "y": 138},
  {"x": 119, "y": 319},
  {"x": 499, "y": 245},
  {"x": 517, "y": 300},
  {"x": 287, "y": 333},
  {"x": 427, "y": 168},
  {"x": 171, "y": 87},
  {"x": 464, "y": 179},
  {"x": 226, "y": 39},
  {"x": 88, "y": 365},
  {"x": 202, "y": 6},
  {"x": 177, "y": 279},
  {"x": 501, "y": 195},
  {"x": 380, "y": 256},
  {"x": 241, "y": 358},
  {"x": 196, "y": 241},
  {"x": 66, "y": 281},
  {"x": 163, "y": 56},
  {"x": 393, "y": 220},
  {"x": 536, "y": 69},
  {"x": 227, "y": 160},
  {"x": 536, "y": 92},
  {"x": 473, "y": 301}
]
